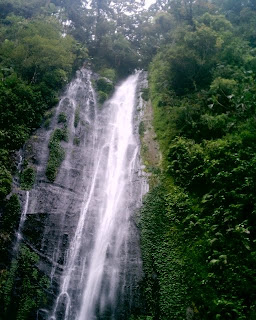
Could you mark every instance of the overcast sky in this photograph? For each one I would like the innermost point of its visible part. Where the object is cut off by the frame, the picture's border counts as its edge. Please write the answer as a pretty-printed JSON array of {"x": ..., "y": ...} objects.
[{"x": 148, "y": 3}]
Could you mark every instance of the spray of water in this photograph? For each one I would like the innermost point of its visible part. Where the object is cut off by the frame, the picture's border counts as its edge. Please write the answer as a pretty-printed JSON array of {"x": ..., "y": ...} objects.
[{"x": 98, "y": 254}]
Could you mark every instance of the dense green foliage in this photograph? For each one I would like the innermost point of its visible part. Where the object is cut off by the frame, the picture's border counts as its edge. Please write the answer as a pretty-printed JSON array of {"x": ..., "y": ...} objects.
[
  {"x": 29, "y": 286},
  {"x": 35, "y": 62},
  {"x": 104, "y": 89},
  {"x": 27, "y": 178},
  {"x": 164, "y": 283},
  {"x": 56, "y": 152},
  {"x": 202, "y": 86},
  {"x": 198, "y": 233}
]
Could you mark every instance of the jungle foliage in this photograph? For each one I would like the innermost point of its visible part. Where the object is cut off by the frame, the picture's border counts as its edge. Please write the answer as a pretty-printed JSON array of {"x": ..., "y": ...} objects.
[
  {"x": 198, "y": 225},
  {"x": 200, "y": 231}
]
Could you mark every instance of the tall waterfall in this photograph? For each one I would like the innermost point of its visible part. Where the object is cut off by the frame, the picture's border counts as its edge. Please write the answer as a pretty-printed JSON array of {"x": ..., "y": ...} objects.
[
  {"x": 114, "y": 170},
  {"x": 89, "y": 245}
]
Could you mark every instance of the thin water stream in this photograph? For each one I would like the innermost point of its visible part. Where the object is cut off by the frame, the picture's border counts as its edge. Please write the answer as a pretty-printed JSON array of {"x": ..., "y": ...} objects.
[{"x": 21, "y": 224}]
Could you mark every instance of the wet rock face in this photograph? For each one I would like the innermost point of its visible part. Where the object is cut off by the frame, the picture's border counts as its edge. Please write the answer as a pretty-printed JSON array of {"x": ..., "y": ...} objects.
[{"x": 67, "y": 219}]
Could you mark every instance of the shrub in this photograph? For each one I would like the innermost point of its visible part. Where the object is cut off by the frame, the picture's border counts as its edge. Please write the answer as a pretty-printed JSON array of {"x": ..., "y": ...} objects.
[
  {"x": 56, "y": 152},
  {"x": 27, "y": 178},
  {"x": 102, "y": 96},
  {"x": 47, "y": 123},
  {"x": 76, "y": 141},
  {"x": 108, "y": 73},
  {"x": 77, "y": 116},
  {"x": 141, "y": 129},
  {"x": 62, "y": 118},
  {"x": 145, "y": 94},
  {"x": 5, "y": 182},
  {"x": 11, "y": 215},
  {"x": 104, "y": 85}
]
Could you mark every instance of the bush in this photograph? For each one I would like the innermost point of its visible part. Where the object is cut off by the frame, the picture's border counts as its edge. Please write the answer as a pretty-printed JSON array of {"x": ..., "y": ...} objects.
[
  {"x": 56, "y": 152},
  {"x": 76, "y": 141},
  {"x": 102, "y": 96},
  {"x": 47, "y": 124},
  {"x": 11, "y": 216},
  {"x": 27, "y": 178},
  {"x": 104, "y": 85},
  {"x": 108, "y": 73},
  {"x": 142, "y": 128},
  {"x": 77, "y": 116},
  {"x": 145, "y": 94},
  {"x": 62, "y": 118},
  {"x": 5, "y": 182}
]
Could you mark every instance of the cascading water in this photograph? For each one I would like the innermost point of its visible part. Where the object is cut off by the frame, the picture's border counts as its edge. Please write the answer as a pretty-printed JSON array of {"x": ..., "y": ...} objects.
[
  {"x": 113, "y": 216},
  {"x": 89, "y": 243},
  {"x": 21, "y": 224},
  {"x": 107, "y": 204}
]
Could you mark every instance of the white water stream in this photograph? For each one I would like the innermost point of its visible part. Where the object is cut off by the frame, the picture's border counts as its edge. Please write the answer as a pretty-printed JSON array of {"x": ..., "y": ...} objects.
[
  {"x": 21, "y": 224},
  {"x": 94, "y": 273}
]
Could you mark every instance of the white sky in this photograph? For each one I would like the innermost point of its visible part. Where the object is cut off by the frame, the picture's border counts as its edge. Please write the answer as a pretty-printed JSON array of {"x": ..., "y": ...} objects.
[{"x": 148, "y": 3}]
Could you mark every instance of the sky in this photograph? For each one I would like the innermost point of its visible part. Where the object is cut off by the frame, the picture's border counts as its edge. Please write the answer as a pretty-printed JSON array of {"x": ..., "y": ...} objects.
[{"x": 148, "y": 3}]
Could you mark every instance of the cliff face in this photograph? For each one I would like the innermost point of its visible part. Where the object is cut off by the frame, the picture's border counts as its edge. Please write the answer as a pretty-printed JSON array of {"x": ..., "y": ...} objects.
[{"x": 63, "y": 217}]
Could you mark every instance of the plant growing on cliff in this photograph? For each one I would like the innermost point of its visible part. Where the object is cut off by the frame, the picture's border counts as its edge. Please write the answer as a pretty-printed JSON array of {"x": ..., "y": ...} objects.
[
  {"x": 5, "y": 182},
  {"x": 77, "y": 116},
  {"x": 104, "y": 88},
  {"x": 27, "y": 178},
  {"x": 62, "y": 118},
  {"x": 56, "y": 152},
  {"x": 29, "y": 283}
]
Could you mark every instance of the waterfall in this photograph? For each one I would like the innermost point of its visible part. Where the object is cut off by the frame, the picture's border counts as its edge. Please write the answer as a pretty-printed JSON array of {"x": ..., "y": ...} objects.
[
  {"x": 113, "y": 216},
  {"x": 89, "y": 242},
  {"x": 21, "y": 224},
  {"x": 106, "y": 209}
]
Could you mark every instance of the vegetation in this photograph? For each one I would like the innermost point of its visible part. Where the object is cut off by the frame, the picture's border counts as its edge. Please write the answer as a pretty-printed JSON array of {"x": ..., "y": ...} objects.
[
  {"x": 30, "y": 287},
  {"x": 62, "y": 118},
  {"x": 198, "y": 225},
  {"x": 27, "y": 178},
  {"x": 202, "y": 86},
  {"x": 76, "y": 141},
  {"x": 56, "y": 152},
  {"x": 77, "y": 116},
  {"x": 104, "y": 88}
]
